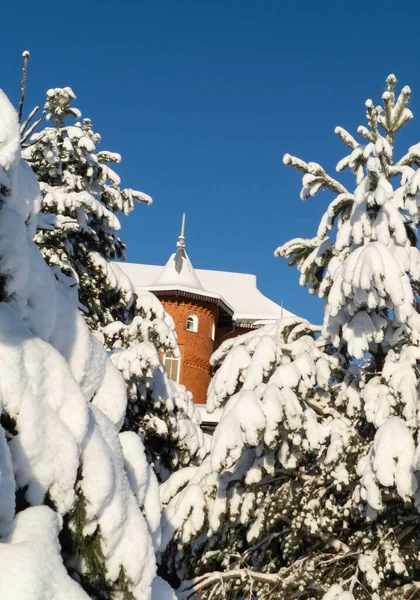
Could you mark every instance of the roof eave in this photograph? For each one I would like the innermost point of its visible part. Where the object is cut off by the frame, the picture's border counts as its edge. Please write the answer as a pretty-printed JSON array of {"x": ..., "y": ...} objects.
[
  {"x": 256, "y": 320},
  {"x": 196, "y": 295}
]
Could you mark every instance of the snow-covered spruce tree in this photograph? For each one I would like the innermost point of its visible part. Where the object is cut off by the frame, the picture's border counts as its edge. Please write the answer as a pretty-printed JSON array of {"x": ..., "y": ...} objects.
[
  {"x": 63, "y": 463},
  {"x": 77, "y": 229},
  {"x": 228, "y": 527},
  {"x": 311, "y": 488},
  {"x": 77, "y": 235}
]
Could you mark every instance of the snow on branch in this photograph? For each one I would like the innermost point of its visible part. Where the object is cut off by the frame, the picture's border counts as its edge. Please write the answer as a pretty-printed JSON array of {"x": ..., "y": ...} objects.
[{"x": 314, "y": 177}]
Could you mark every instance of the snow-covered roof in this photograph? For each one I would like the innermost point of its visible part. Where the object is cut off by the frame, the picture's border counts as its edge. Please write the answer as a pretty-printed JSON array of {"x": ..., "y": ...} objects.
[
  {"x": 236, "y": 293},
  {"x": 179, "y": 275},
  {"x": 237, "y": 290},
  {"x": 179, "y": 271}
]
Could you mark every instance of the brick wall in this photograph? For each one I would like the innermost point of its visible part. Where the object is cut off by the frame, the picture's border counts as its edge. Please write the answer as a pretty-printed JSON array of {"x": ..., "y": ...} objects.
[{"x": 196, "y": 348}]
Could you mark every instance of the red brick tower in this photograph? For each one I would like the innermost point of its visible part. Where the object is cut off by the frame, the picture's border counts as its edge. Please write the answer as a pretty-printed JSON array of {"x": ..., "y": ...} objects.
[{"x": 197, "y": 314}]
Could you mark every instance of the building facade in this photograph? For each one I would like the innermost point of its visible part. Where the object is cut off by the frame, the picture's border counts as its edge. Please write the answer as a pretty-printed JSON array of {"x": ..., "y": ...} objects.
[{"x": 207, "y": 307}]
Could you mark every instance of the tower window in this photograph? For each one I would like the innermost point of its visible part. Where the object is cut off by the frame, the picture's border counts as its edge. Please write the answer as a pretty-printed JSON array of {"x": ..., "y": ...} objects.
[
  {"x": 212, "y": 331},
  {"x": 192, "y": 323},
  {"x": 172, "y": 366}
]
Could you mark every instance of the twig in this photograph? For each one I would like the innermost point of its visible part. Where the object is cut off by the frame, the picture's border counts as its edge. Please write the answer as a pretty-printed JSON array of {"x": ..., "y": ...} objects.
[
  {"x": 265, "y": 540},
  {"x": 354, "y": 579},
  {"x": 188, "y": 589},
  {"x": 25, "y": 56},
  {"x": 28, "y": 120},
  {"x": 316, "y": 408},
  {"x": 32, "y": 128},
  {"x": 338, "y": 557}
]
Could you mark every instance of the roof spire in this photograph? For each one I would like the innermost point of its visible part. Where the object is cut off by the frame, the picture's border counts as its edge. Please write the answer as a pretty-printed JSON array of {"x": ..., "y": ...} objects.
[
  {"x": 179, "y": 270},
  {"x": 181, "y": 239}
]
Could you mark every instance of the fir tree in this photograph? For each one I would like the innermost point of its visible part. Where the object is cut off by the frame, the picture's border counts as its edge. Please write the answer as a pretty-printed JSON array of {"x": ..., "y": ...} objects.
[
  {"x": 78, "y": 237},
  {"x": 81, "y": 197},
  {"x": 76, "y": 496},
  {"x": 311, "y": 487}
]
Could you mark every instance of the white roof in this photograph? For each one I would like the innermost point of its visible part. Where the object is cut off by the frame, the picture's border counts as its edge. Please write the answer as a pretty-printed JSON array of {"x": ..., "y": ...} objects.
[
  {"x": 179, "y": 275},
  {"x": 237, "y": 293},
  {"x": 238, "y": 290}
]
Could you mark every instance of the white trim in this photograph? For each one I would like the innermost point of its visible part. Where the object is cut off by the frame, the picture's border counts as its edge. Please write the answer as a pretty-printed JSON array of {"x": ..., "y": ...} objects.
[
  {"x": 171, "y": 359},
  {"x": 193, "y": 319}
]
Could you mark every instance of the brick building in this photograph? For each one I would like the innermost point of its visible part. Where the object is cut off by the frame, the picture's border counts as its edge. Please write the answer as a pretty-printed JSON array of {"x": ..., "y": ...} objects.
[{"x": 208, "y": 307}]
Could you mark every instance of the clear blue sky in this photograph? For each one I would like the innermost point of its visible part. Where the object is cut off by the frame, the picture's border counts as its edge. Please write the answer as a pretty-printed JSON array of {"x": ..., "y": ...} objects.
[{"x": 203, "y": 98}]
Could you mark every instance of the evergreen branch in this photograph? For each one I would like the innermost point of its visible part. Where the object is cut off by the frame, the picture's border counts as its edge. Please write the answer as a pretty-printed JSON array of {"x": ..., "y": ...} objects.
[
  {"x": 400, "y": 106},
  {"x": 410, "y": 158},
  {"x": 265, "y": 540},
  {"x": 347, "y": 138},
  {"x": 372, "y": 119},
  {"x": 394, "y": 170},
  {"x": 386, "y": 122},
  {"x": 198, "y": 585},
  {"x": 364, "y": 132},
  {"x": 317, "y": 179},
  {"x": 190, "y": 588}
]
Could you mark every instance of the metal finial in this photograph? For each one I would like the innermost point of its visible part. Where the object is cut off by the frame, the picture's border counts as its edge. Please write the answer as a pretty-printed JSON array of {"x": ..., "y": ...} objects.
[{"x": 181, "y": 239}]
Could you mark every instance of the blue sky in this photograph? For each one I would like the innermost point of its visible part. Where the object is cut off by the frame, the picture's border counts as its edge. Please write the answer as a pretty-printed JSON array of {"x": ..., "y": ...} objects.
[{"x": 203, "y": 98}]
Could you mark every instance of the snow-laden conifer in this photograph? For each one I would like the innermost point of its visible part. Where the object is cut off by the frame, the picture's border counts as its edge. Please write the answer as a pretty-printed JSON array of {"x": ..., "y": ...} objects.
[
  {"x": 81, "y": 197},
  {"x": 311, "y": 486},
  {"x": 79, "y": 506},
  {"x": 77, "y": 234}
]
